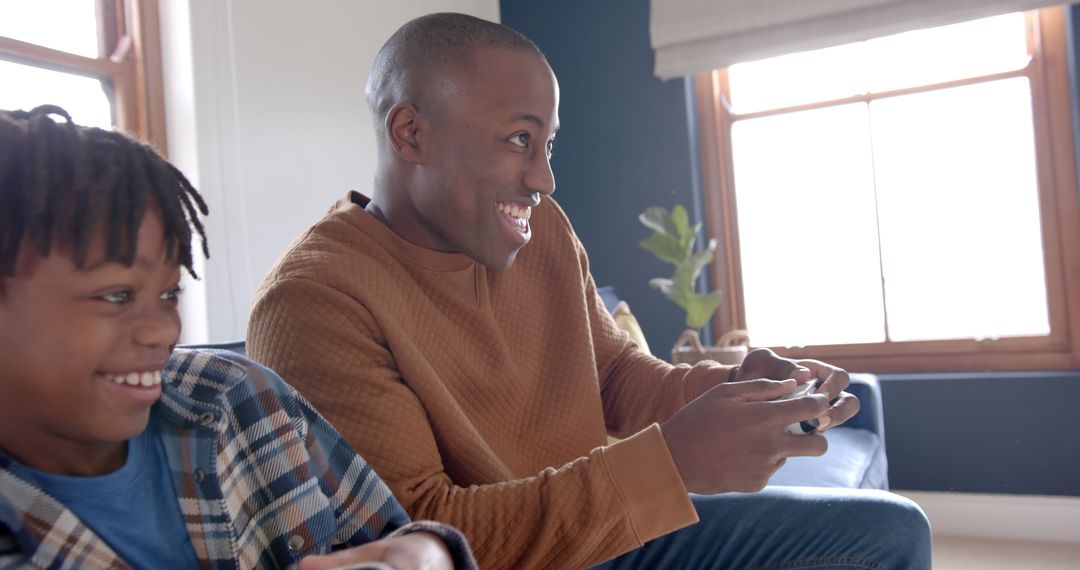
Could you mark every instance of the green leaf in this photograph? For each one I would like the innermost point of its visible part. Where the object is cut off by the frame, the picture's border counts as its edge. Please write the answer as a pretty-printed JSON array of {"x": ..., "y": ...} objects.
[
  {"x": 666, "y": 247},
  {"x": 679, "y": 296},
  {"x": 664, "y": 285},
  {"x": 700, "y": 307},
  {"x": 688, "y": 271},
  {"x": 670, "y": 290},
  {"x": 687, "y": 234},
  {"x": 686, "y": 241},
  {"x": 657, "y": 219},
  {"x": 673, "y": 241},
  {"x": 681, "y": 221}
]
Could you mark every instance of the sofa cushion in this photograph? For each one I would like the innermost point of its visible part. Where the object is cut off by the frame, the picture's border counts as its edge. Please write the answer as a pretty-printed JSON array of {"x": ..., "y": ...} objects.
[
  {"x": 626, "y": 321},
  {"x": 849, "y": 463}
]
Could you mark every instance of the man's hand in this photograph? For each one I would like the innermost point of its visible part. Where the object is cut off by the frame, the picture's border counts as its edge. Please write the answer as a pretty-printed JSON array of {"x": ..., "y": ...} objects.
[
  {"x": 415, "y": 551},
  {"x": 732, "y": 437},
  {"x": 764, "y": 363}
]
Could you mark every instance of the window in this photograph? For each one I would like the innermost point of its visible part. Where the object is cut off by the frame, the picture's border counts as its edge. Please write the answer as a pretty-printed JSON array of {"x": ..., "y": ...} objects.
[
  {"x": 902, "y": 204},
  {"x": 99, "y": 59}
]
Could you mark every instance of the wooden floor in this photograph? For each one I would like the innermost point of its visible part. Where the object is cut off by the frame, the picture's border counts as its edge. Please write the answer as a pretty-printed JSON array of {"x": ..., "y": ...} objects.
[{"x": 961, "y": 553}]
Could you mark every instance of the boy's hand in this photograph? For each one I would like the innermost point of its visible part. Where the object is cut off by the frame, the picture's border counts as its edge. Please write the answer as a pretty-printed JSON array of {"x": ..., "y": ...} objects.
[
  {"x": 764, "y": 363},
  {"x": 415, "y": 551},
  {"x": 732, "y": 437}
]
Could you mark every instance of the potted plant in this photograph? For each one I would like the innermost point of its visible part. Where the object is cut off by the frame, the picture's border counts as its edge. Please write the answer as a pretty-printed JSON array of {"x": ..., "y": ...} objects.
[{"x": 673, "y": 241}]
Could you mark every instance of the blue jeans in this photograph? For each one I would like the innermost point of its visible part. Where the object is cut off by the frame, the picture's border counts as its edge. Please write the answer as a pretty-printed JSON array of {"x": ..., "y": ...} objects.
[{"x": 789, "y": 528}]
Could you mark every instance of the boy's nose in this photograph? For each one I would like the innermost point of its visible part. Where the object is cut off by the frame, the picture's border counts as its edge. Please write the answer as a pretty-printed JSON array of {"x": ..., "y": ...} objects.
[{"x": 158, "y": 327}]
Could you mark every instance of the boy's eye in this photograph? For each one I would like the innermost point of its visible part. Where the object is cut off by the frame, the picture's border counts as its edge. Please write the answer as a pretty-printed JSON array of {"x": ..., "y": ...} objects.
[
  {"x": 121, "y": 297},
  {"x": 173, "y": 294},
  {"x": 520, "y": 139}
]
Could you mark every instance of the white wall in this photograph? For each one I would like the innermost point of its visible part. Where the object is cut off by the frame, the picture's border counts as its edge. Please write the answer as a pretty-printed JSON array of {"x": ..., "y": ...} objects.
[{"x": 265, "y": 111}]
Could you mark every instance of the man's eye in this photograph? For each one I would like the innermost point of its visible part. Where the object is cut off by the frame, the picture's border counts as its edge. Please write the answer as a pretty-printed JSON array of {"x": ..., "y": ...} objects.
[
  {"x": 551, "y": 147},
  {"x": 520, "y": 139},
  {"x": 172, "y": 294},
  {"x": 122, "y": 297}
]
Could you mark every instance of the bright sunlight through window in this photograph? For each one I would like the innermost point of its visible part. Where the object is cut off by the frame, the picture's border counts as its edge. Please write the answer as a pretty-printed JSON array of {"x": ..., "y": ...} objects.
[
  {"x": 923, "y": 202},
  {"x": 39, "y": 22}
]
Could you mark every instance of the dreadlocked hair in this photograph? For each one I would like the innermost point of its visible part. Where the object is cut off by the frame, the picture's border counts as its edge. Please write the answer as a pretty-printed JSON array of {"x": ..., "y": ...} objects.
[{"x": 60, "y": 181}]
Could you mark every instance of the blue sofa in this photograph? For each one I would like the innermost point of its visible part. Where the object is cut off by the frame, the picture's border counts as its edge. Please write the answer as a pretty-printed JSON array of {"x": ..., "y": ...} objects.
[{"x": 856, "y": 456}]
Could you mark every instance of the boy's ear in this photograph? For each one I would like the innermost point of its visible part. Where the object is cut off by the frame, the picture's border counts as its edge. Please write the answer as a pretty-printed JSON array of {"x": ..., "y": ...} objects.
[{"x": 403, "y": 124}]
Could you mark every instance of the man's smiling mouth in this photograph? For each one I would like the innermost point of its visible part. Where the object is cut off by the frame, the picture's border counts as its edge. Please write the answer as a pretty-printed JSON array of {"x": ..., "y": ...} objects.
[{"x": 518, "y": 216}]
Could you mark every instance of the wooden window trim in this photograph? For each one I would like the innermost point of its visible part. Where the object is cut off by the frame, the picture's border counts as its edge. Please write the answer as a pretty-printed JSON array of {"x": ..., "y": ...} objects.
[
  {"x": 129, "y": 59},
  {"x": 1059, "y": 203}
]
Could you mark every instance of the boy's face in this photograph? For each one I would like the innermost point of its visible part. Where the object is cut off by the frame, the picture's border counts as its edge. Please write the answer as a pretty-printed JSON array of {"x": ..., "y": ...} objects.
[{"x": 82, "y": 352}]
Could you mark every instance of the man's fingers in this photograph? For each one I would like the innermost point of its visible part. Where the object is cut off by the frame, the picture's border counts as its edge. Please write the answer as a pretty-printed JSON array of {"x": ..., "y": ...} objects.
[
  {"x": 756, "y": 390},
  {"x": 808, "y": 445},
  {"x": 845, "y": 407},
  {"x": 787, "y": 412},
  {"x": 764, "y": 363},
  {"x": 833, "y": 380}
]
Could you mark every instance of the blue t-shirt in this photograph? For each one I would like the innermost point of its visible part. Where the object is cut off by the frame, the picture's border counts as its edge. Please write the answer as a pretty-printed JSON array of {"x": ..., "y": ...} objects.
[{"x": 133, "y": 509}]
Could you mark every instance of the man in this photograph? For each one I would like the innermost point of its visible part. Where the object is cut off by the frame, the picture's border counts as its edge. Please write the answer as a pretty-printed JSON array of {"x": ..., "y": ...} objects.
[{"x": 450, "y": 329}]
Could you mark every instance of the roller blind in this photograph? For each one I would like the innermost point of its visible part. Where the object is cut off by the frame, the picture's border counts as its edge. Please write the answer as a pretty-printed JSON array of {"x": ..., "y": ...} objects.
[{"x": 691, "y": 36}]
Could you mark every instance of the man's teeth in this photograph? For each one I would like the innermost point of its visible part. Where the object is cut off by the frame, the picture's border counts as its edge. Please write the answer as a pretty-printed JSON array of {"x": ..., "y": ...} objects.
[
  {"x": 146, "y": 379},
  {"x": 523, "y": 212}
]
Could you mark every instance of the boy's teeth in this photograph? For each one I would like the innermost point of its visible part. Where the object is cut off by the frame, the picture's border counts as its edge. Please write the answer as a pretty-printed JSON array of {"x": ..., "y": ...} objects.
[{"x": 145, "y": 379}]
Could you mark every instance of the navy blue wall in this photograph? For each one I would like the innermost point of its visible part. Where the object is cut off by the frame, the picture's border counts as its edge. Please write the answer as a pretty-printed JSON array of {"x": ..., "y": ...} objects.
[
  {"x": 983, "y": 432},
  {"x": 625, "y": 145}
]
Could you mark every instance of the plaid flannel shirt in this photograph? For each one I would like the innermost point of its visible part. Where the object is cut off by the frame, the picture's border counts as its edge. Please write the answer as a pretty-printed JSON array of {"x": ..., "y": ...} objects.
[{"x": 262, "y": 479}]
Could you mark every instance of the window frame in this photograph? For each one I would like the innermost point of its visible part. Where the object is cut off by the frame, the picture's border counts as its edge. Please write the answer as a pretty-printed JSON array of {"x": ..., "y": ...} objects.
[
  {"x": 1059, "y": 207},
  {"x": 129, "y": 59}
]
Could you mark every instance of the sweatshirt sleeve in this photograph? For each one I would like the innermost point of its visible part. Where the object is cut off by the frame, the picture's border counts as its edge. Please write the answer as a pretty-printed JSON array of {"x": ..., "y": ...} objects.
[{"x": 576, "y": 515}]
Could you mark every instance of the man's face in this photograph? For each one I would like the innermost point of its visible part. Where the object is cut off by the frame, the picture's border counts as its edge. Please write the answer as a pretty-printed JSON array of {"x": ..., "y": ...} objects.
[
  {"x": 486, "y": 158},
  {"x": 82, "y": 351}
]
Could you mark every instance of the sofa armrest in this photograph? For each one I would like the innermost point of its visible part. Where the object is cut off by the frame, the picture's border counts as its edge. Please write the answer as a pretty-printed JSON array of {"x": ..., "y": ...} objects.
[{"x": 867, "y": 388}]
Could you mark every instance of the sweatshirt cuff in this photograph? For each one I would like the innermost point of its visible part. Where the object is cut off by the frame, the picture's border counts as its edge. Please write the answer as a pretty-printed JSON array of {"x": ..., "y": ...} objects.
[
  {"x": 649, "y": 484},
  {"x": 452, "y": 537},
  {"x": 703, "y": 376}
]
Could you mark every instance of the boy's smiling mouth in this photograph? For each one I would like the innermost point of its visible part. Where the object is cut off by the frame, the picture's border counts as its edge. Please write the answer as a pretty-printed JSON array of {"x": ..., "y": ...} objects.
[
  {"x": 139, "y": 387},
  {"x": 145, "y": 379}
]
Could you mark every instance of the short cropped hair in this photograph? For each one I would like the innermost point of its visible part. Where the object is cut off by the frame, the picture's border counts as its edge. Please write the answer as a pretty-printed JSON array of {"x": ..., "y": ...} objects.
[
  {"x": 61, "y": 182},
  {"x": 415, "y": 56}
]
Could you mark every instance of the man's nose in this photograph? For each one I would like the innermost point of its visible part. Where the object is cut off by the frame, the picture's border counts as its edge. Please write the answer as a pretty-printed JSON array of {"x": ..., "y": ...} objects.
[{"x": 540, "y": 177}]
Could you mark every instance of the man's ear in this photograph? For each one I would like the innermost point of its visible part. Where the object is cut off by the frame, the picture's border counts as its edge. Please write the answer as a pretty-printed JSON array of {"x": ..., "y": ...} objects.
[{"x": 402, "y": 125}]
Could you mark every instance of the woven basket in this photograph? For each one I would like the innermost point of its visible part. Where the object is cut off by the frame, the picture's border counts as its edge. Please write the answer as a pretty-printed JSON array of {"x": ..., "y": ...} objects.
[{"x": 730, "y": 349}]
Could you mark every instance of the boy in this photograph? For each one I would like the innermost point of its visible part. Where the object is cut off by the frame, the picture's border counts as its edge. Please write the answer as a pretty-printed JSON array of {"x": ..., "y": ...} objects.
[{"x": 114, "y": 451}]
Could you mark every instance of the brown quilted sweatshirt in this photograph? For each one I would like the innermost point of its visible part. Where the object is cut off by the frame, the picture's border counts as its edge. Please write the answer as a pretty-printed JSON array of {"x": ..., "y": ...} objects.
[{"x": 483, "y": 399}]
